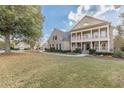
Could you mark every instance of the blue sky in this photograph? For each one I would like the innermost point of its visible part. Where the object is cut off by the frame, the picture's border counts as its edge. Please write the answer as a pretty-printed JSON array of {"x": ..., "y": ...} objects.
[
  {"x": 56, "y": 16},
  {"x": 65, "y": 16}
]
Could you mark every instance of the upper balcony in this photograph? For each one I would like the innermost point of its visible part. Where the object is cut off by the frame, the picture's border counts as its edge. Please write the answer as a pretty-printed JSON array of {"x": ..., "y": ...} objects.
[{"x": 90, "y": 35}]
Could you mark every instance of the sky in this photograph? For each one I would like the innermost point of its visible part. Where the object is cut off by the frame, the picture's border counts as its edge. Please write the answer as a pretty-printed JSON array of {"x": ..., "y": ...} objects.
[{"x": 64, "y": 17}]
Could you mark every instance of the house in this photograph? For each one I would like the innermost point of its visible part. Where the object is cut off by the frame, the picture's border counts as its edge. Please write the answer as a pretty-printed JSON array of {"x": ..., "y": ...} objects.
[
  {"x": 43, "y": 46},
  {"x": 22, "y": 46},
  {"x": 88, "y": 33},
  {"x": 92, "y": 33},
  {"x": 59, "y": 40}
]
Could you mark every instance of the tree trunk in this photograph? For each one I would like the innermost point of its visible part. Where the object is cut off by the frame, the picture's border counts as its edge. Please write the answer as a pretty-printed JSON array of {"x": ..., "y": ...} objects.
[{"x": 7, "y": 41}]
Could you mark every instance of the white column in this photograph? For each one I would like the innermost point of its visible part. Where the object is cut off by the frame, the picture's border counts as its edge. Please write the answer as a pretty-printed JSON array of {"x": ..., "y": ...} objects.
[
  {"x": 84, "y": 47},
  {"x": 71, "y": 46},
  {"x": 91, "y": 46},
  {"x": 81, "y": 45},
  {"x": 99, "y": 46},
  {"x": 108, "y": 36},
  {"x": 81, "y": 36},
  {"x": 91, "y": 34},
  {"x": 99, "y": 39},
  {"x": 99, "y": 32}
]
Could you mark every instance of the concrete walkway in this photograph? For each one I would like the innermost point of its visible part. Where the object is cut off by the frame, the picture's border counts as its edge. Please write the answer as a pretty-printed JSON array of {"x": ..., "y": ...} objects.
[{"x": 58, "y": 54}]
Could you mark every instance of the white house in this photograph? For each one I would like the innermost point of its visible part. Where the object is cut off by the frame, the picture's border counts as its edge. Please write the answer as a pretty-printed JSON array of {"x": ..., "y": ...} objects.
[
  {"x": 59, "y": 40},
  {"x": 88, "y": 33}
]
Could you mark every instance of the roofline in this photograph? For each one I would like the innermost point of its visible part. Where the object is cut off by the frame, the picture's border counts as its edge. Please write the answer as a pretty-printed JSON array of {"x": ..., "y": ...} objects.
[
  {"x": 89, "y": 17},
  {"x": 89, "y": 27}
]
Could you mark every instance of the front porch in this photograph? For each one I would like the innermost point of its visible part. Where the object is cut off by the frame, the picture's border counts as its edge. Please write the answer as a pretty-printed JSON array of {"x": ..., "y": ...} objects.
[{"x": 101, "y": 46}]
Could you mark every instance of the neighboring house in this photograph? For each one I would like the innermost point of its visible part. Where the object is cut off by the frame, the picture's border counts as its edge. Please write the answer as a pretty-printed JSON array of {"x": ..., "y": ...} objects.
[
  {"x": 45, "y": 45},
  {"x": 88, "y": 33},
  {"x": 22, "y": 45},
  {"x": 59, "y": 40},
  {"x": 92, "y": 33}
]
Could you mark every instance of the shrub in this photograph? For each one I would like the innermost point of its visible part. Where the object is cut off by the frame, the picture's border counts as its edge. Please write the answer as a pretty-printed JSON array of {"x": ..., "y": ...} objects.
[
  {"x": 52, "y": 49},
  {"x": 122, "y": 48},
  {"x": 77, "y": 50},
  {"x": 104, "y": 53},
  {"x": 26, "y": 48},
  {"x": 14, "y": 48},
  {"x": 92, "y": 51},
  {"x": 118, "y": 53}
]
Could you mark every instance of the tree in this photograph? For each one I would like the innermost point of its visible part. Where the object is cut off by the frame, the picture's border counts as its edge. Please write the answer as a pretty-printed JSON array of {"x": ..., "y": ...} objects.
[
  {"x": 119, "y": 39},
  {"x": 118, "y": 42},
  {"x": 20, "y": 21}
]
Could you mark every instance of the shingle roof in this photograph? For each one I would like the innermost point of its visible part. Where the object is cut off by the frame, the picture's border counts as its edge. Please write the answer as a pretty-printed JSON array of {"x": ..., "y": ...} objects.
[{"x": 88, "y": 21}]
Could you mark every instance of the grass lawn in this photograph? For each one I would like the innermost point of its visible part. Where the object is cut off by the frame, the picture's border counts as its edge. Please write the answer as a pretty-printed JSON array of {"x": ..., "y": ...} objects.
[{"x": 46, "y": 70}]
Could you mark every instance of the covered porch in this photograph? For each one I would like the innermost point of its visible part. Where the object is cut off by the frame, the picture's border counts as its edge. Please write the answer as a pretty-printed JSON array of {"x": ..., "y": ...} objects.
[{"x": 85, "y": 46}]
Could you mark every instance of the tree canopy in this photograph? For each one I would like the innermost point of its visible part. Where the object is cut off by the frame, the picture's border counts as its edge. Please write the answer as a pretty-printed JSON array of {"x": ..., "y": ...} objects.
[{"x": 23, "y": 22}]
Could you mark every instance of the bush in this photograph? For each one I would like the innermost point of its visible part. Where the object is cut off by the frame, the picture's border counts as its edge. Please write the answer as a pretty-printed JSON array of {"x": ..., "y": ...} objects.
[
  {"x": 14, "y": 48},
  {"x": 52, "y": 49},
  {"x": 104, "y": 53},
  {"x": 26, "y": 48},
  {"x": 122, "y": 48},
  {"x": 77, "y": 50},
  {"x": 92, "y": 51},
  {"x": 118, "y": 53}
]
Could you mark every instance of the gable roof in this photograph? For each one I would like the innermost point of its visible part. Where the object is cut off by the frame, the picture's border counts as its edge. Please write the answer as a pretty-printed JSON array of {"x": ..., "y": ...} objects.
[
  {"x": 88, "y": 21},
  {"x": 65, "y": 35}
]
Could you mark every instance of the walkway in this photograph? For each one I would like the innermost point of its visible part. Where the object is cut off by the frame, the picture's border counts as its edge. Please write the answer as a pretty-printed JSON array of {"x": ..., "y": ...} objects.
[{"x": 58, "y": 54}]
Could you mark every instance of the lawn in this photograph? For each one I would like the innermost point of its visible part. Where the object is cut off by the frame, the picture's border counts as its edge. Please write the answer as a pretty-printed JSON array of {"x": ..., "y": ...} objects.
[{"x": 46, "y": 70}]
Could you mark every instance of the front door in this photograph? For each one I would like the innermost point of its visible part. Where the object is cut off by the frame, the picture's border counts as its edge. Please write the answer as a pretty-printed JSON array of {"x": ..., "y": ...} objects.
[{"x": 87, "y": 46}]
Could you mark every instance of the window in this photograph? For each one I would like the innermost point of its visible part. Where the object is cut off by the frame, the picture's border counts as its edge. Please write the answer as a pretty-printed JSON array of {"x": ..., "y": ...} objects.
[
  {"x": 52, "y": 45},
  {"x": 73, "y": 44},
  {"x": 59, "y": 46},
  {"x": 96, "y": 45},
  {"x": 104, "y": 45},
  {"x": 95, "y": 33},
  {"x": 56, "y": 46},
  {"x": 55, "y": 37},
  {"x": 103, "y": 32}
]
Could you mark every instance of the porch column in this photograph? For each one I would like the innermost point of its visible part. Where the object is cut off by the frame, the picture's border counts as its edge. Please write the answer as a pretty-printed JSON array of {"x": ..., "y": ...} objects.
[
  {"x": 108, "y": 46},
  {"x": 108, "y": 36},
  {"x": 81, "y": 46},
  {"x": 99, "y": 46},
  {"x": 81, "y": 36},
  {"x": 99, "y": 32},
  {"x": 84, "y": 47},
  {"x": 91, "y": 34},
  {"x": 99, "y": 39}
]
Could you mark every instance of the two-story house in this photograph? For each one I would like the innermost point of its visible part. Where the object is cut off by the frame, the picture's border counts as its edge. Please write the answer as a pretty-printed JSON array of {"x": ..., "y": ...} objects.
[
  {"x": 59, "y": 40},
  {"x": 91, "y": 32}
]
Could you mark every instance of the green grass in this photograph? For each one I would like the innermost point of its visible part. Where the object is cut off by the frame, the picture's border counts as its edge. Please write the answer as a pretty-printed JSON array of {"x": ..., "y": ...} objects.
[{"x": 44, "y": 70}]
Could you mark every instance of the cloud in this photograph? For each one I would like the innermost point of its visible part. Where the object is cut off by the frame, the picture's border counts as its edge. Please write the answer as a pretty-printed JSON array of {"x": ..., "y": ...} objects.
[
  {"x": 70, "y": 23},
  {"x": 92, "y": 10}
]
